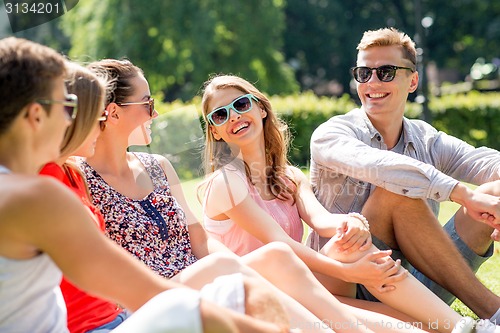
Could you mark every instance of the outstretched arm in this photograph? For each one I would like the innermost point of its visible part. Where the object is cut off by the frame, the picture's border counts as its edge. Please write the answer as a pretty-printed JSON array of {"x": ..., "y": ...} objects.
[
  {"x": 57, "y": 224},
  {"x": 350, "y": 233},
  {"x": 229, "y": 198}
]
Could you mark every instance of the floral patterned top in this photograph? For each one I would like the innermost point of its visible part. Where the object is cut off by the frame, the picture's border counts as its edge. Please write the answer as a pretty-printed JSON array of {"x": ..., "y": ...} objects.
[{"x": 153, "y": 229}]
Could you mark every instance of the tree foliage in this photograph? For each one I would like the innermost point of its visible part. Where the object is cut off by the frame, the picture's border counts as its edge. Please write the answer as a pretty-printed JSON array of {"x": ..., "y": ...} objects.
[
  {"x": 180, "y": 43},
  {"x": 277, "y": 43},
  {"x": 321, "y": 35}
]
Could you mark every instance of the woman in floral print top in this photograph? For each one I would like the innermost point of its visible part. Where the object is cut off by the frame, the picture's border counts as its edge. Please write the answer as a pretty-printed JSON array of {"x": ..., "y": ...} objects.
[{"x": 154, "y": 228}]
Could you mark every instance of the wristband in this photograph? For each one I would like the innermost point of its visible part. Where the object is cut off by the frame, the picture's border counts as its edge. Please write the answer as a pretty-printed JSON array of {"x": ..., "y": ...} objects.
[{"x": 361, "y": 218}]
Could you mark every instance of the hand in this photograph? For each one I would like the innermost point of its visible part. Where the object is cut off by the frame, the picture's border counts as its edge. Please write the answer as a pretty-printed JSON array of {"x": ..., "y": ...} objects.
[
  {"x": 495, "y": 235},
  {"x": 484, "y": 208},
  {"x": 352, "y": 235},
  {"x": 480, "y": 206},
  {"x": 376, "y": 270}
]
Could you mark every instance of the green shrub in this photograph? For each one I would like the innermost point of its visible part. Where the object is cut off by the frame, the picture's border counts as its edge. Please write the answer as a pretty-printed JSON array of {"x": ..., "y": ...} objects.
[{"x": 178, "y": 133}]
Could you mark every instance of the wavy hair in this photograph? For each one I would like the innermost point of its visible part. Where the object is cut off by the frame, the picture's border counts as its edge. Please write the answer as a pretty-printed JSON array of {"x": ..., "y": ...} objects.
[{"x": 217, "y": 153}]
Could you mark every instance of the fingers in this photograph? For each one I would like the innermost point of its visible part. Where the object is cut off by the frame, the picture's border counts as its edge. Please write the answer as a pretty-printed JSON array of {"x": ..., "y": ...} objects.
[{"x": 495, "y": 235}]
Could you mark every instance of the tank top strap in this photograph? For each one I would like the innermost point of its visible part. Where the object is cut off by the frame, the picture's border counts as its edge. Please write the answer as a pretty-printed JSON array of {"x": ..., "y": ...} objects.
[{"x": 154, "y": 169}]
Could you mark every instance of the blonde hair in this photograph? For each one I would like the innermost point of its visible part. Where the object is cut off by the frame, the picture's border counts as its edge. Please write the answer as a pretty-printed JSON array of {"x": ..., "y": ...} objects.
[
  {"x": 91, "y": 91},
  {"x": 389, "y": 37},
  {"x": 217, "y": 153}
]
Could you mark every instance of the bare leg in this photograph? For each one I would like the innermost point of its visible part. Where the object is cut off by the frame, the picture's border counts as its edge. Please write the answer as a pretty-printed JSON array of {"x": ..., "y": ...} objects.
[
  {"x": 406, "y": 224},
  {"x": 475, "y": 234},
  {"x": 296, "y": 280},
  {"x": 208, "y": 268},
  {"x": 425, "y": 306}
]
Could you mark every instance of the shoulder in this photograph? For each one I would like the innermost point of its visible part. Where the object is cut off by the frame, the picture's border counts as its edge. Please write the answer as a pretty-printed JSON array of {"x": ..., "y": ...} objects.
[
  {"x": 228, "y": 178},
  {"x": 296, "y": 174},
  {"x": 350, "y": 120},
  {"x": 419, "y": 126},
  {"x": 27, "y": 201}
]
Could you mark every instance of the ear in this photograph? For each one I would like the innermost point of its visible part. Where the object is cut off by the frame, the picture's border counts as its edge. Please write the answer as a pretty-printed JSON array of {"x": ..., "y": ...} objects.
[
  {"x": 414, "y": 82},
  {"x": 214, "y": 133},
  {"x": 263, "y": 113},
  {"x": 35, "y": 114},
  {"x": 113, "y": 116}
]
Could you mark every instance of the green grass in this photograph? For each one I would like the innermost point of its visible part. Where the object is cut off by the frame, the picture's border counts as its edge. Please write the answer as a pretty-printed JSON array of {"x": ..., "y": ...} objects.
[{"x": 488, "y": 274}]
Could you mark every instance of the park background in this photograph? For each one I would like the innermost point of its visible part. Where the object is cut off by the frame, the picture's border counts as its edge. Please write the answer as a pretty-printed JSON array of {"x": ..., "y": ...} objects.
[{"x": 297, "y": 51}]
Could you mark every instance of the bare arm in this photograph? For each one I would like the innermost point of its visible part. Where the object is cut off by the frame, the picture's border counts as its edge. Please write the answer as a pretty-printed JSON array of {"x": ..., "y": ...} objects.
[
  {"x": 231, "y": 200},
  {"x": 57, "y": 224},
  {"x": 350, "y": 232}
]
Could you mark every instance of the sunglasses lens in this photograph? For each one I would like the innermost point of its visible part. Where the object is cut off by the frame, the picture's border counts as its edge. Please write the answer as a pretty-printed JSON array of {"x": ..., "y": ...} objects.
[
  {"x": 151, "y": 107},
  {"x": 219, "y": 116},
  {"x": 362, "y": 74},
  {"x": 386, "y": 73},
  {"x": 242, "y": 104}
]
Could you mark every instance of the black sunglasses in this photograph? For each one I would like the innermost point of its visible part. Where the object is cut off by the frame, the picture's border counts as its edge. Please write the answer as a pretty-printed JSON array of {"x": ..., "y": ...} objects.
[
  {"x": 70, "y": 104},
  {"x": 150, "y": 102},
  {"x": 385, "y": 73},
  {"x": 220, "y": 115}
]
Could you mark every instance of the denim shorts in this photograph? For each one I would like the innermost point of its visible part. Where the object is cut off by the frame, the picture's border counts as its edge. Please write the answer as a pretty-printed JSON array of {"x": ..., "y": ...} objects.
[
  {"x": 108, "y": 327},
  {"x": 475, "y": 261}
]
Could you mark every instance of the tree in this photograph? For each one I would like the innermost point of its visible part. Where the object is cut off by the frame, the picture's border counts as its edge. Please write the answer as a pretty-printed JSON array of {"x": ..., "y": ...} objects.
[{"x": 179, "y": 44}]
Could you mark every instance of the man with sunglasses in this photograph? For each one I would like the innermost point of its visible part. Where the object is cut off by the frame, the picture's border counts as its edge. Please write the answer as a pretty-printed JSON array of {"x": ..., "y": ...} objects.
[{"x": 396, "y": 171}]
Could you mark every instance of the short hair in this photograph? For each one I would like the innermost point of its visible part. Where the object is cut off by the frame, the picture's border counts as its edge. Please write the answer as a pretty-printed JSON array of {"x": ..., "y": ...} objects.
[
  {"x": 28, "y": 71},
  {"x": 389, "y": 37},
  {"x": 119, "y": 74}
]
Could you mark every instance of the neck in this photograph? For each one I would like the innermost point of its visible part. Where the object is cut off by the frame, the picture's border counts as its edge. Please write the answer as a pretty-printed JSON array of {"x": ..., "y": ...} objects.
[
  {"x": 256, "y": 161},
  {"x": 110, "y": 156},
  {"x": 390, "y": 129}
]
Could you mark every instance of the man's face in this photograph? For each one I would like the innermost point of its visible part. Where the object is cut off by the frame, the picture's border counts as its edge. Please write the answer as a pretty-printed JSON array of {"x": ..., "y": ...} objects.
[{"x": 385, "y": 99}]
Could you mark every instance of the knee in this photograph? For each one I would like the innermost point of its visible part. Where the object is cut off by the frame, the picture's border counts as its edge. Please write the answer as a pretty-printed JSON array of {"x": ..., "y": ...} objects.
[
  {"x": 278, "y": 253},
  {"x": 262, "y": 303},
  {"x": 492, "y": 188},
  {"x": 223, "y": 262}
]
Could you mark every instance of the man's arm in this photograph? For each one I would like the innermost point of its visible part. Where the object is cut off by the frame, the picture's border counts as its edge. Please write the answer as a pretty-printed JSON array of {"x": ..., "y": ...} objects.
[{"x": 338, "y": 146}]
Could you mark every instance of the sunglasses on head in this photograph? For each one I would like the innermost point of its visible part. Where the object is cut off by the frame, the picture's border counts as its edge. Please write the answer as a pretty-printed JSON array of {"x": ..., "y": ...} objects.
[
  {"x": 150, "y": 102},
  {"x": 385, "y": 73},
  {"x": 220, "y": 115},
  {"x": 102, "y": 120},
  {"x": 70, "y": 104}
]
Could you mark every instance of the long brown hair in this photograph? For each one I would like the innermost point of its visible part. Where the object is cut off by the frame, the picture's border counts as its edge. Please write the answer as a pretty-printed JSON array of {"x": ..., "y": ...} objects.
[{"x": 217, "y": 153}]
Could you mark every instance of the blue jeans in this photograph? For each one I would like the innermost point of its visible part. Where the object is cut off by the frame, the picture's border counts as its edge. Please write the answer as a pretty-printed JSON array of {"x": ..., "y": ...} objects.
[
  {"x": 475, "y": 261},
  {"x": 112, "y": 324}
]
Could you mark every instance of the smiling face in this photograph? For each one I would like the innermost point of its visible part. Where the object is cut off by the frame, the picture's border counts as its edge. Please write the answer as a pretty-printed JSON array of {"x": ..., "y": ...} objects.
[
  {"x": 385, "y": 99},
  {"x": 240, "y": 129}
]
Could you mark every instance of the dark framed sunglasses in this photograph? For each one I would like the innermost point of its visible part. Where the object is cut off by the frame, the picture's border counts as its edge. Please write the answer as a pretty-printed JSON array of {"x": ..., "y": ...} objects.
[
  {"x": 242, "y": 104},
  {"x": 70, "y": 104},
  {"x": 102, "y": 120},
  {"x": 385, "y": 73},
  {"x": 150, "y": 102}
]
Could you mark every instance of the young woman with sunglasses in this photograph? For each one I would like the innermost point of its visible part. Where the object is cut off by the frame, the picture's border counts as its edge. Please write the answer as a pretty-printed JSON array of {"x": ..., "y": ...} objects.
[
  {"x": 85, "y": 313},
  {"x": 45, "y": 230},
  {"x": 145, "y": 211},
  {"x": 254, "y": 196}
]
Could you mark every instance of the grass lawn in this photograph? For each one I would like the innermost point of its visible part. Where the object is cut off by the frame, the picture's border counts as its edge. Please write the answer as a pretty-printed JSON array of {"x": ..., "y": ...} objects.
[{"x": 489, "y": 273}]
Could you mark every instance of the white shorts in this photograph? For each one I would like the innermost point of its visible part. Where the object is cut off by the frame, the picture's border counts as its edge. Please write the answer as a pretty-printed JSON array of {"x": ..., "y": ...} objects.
[
  {"x": 172, "y": 311},
  {"x": 227, "y": 291}
]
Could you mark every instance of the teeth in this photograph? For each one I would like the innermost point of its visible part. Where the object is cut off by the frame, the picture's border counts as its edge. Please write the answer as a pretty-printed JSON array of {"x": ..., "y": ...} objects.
[
  {"x": 236, "y": 129},
  {"x": 377, "y": 95}
]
